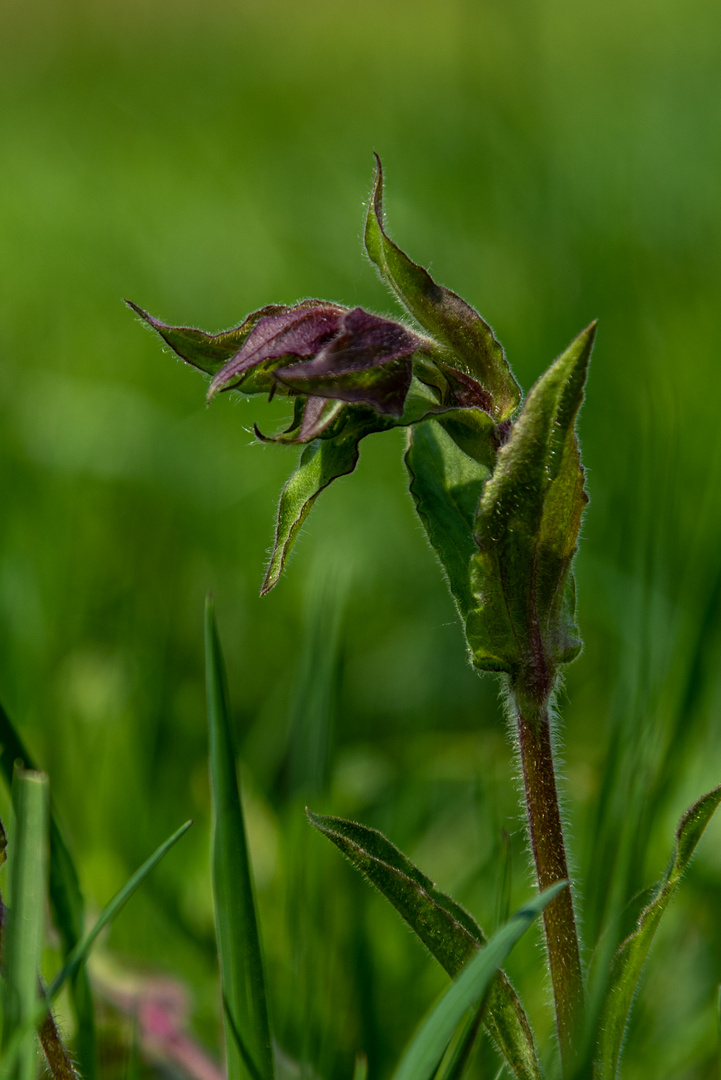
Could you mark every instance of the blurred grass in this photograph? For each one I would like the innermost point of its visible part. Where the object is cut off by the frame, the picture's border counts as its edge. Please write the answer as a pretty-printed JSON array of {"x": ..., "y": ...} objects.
[{"x": 551, "y": 161}]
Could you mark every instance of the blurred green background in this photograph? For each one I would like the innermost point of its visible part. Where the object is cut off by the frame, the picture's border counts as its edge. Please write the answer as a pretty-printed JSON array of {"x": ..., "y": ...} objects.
[{"x": 553, "y": 161}]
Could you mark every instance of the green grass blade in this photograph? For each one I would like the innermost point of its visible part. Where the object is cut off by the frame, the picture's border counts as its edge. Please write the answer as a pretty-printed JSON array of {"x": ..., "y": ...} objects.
[
  {"x": 425, "y": 1050},
  {"x": 444, "y": 927},
  {"x": 457, "y": 1060},
  {"x": 239, "y": 948},
  {"x": 629, "y": 960},
  {"x": 66, "y": 901},
  {"x": 82, "y": 949},
  {"x": 111, "y": 910},
  {"x": 23, "y": 938}
]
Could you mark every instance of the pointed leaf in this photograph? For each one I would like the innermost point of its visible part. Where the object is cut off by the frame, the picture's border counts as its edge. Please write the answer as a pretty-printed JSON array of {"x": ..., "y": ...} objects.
[
  {"x": 447, "y": 931},
  {"x": 630, "y": 959},
  {"x": 239, "y": 947},
  {"x": 428, "y": 1044},
  {"x": 526, "y": 529},
  {"x": 66, "y": 901},
  {"x": 467, "y": 343}
]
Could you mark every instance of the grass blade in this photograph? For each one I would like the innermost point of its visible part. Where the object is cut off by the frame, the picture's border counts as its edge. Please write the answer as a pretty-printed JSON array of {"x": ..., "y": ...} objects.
[
  {"x": 80, "y": 953},
  {"x": 239, "y": 949},
  {"x": 631, "y": 956},
  {"x": 458, "y": 1058},
  {"x": 66, "y": 901},
  {"x": 111, "y": 910},
  {"x": 23, "y": 938},
  {"x": 425, "y": 1050},
  {"x": 444, "y": 927}
]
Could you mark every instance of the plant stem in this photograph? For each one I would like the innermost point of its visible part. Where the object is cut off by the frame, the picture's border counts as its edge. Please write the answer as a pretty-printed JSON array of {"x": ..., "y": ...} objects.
[
  {"x": 59, "y": 1061},
  {"x": 549, "y": 854}
]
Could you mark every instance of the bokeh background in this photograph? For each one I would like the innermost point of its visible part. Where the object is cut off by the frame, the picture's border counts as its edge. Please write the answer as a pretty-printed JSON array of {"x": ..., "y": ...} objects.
[{"x": 553, "y": 161}]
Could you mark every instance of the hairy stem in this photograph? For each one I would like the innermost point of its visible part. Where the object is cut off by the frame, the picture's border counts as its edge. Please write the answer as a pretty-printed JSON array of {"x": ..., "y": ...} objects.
[
  {"x": 549, "y": 854},
  {"x": 59, "y": 1061}
]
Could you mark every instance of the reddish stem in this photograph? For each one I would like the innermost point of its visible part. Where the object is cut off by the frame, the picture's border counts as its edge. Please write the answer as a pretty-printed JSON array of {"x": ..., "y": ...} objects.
[{"x": 549, "y": 854}]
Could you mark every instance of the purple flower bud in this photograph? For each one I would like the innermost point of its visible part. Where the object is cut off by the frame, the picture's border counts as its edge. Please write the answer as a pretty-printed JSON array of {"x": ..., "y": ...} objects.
[
  {"x": 302, "y": 332},
  {"x": 350, "y": 356}
]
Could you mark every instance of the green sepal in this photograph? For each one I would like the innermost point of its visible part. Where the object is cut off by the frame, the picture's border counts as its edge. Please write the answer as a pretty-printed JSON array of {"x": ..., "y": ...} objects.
[
  {"x": 209, "y": 352},
  {"x": 446, "y": 485},
  {"x": 449, "y": 933},
  {"x": 321, "y": 462},
  {"x": 335, "y": 453},
  {"x": 465, "y": 341},
  {"x": 526, "y": 530},
  {"x": 629, "y": 961}
]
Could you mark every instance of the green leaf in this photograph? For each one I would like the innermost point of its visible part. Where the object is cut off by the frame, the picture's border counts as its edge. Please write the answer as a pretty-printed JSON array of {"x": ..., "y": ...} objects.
[
  {"x": 23, "y": 937},
  {"x": 526, "y": 529},
  {"x": 66, "y": 901},
  {"x": 446, "y": 485},
  {"x": 447, "y": 931},
  {"x": 629, "y": 961},
  {"x": 466, "y": 341},
  {"x": 428, "y": 1044},
  {"x": 239, "y": 948}
]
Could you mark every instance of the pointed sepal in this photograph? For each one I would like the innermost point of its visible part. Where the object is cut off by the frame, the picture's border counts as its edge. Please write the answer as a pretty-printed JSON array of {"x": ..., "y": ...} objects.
[
  {"x": 207, "y": 352},
  {"x": 467, "y": 347}
]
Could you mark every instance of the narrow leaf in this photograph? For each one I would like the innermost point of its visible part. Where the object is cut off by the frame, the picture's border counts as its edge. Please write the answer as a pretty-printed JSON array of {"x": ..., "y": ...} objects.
[
  {"x": 428, "y": 1044},
  {"x": 66, "y": 901},
  {"x": 446, "y": 485},
  {"x": 467, "y": 343},
  {"x": 629, "y": 961},
  {"x": 444, "y": 927},
  {"x": 458, "y": 1057},
  {"x": 23, "y": 937},
  {"x": 526, "y": 529},
  {"x": 111, "y": 910},
  {"x": 239, "y": 947}
]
